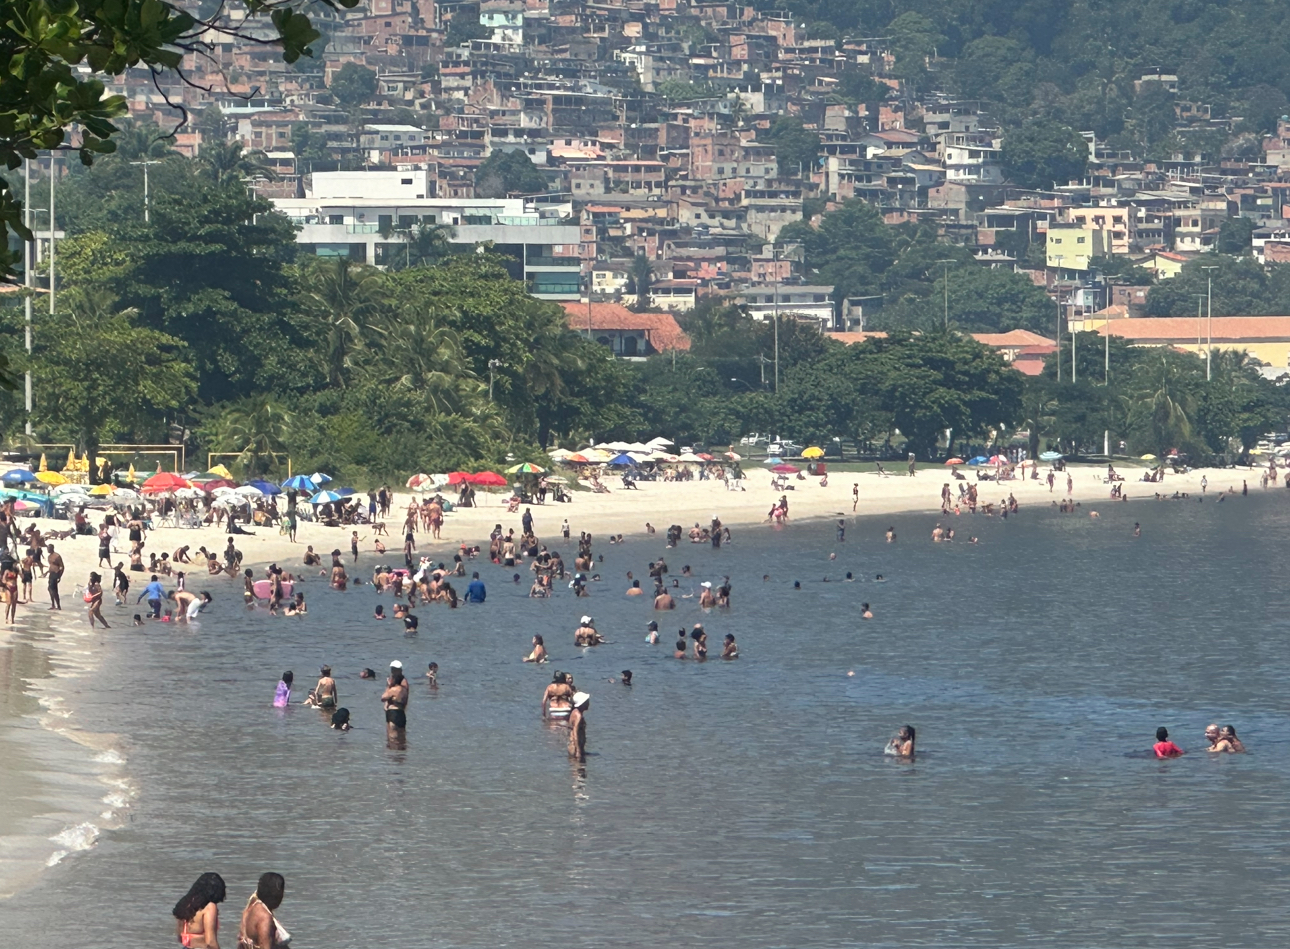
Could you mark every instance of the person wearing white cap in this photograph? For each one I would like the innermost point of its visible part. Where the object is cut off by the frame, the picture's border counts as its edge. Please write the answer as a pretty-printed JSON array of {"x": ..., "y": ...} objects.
[
  {"x": 578, "y": 726},
  {"x": 395, "y": 701},
  {"x": 586, "y": 635},
  {"x": 706, "y": 599}
]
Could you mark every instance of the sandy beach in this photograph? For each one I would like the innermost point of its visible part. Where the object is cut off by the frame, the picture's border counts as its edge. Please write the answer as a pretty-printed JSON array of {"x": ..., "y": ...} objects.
[{"x": 628, "y": 511}]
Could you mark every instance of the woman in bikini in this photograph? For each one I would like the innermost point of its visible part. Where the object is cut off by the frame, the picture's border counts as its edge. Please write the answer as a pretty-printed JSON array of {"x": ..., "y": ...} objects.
[
  {"x": 94, "y": 600},
  {"x": 197, "y": 913},
  {"x": 260, "y": 929},
  {"x": 10, "y": 584},
  {"x": 557, "y": 700}
]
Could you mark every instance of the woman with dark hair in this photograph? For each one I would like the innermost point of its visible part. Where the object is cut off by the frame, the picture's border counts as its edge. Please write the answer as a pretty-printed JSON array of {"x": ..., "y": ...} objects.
[
  {"x": 902, "y": 746},
  {"x": 539, "y": 651},
  {"x": 94, "y": 599},
  {"x": 282, "y": 695},
  {"x": 260, "y": 929},
  {"x": 197, "y": 914}
]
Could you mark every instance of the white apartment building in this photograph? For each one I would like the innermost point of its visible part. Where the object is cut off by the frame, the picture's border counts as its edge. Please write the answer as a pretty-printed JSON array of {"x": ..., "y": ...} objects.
[{"x": 368, "y": 217}]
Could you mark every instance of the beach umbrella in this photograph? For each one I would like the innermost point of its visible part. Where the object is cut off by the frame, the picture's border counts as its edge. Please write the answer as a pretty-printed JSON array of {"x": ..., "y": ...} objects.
[
  {"x": 488, "y": 479},
  {"x": 578, "y": 459},
  {"x": 50, "y": 477},
  {"x": 44, "y": 465},
  {"x": 639, "y": 446},
  {"x": 231, "y": 500},
  {"x": 1049, "y": 455},
  {"x": 220, "y": 471},
  {"x": 326, "y": 497},
  {"x": 954, "y": 461},
  {"x": 102, "y": 490},
  {"x": 979, "y": 460},
  {"x": 705, "y": 456},
  {"x": 597, "y": 455},
  {"x": 69, "y": 488},
  {"x": 998, "y": 460},
  {"x": 266, "y": 487},
  {"x": 623, "y": 459},
  {"x": 213, "y": 487},
  {"x": 658, "y": 441},
  {"x": 558, "y": 479},
  {"x": 813, "y": 452},
  {"x": 164, "y": 481},
  {"x": 439, "y": 480},
  {"x": 419, "y": 481},
  {"x": 126, "y": 494},
  {"x": 458, "y": 477},
  {"x": 248, "y": 491},
  {"x": 786, "y": 469},
  {"x": 18, "y": 476},
  {"x": 319, "y": 478},
  {"x": 526, "y": 468},
  {"x": 1148, "y": 457},
  {"x": 346, "y": 492},
  {"x": 734, "y": 456},
  {"x": 190, "y": 493},
  {"x": 224, "y": 490},
  {"x": 689, "y": 457},
  {"x": 773, "y": 460},
  {"x": 559, "y": 454},
  {"x": 298, "y": 483}
]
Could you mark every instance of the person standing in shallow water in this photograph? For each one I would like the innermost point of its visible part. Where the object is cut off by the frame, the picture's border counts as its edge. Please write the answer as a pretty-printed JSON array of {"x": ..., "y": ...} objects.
[
  {"x": 578, "y": 726},
  {"x": 395, "y": 700},
  {"x": 197, "y": 913},
  {"x": 260, "y": 928}
]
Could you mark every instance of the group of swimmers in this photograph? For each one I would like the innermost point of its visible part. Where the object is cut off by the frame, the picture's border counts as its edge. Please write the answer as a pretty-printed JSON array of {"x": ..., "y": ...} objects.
[{"x": 1222, "y": 740}]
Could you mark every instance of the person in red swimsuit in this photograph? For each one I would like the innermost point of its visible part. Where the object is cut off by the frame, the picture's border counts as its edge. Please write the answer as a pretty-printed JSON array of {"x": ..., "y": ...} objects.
[
  {"x": 1164, "y": 748},
  {"x": 197, "y": 914}
]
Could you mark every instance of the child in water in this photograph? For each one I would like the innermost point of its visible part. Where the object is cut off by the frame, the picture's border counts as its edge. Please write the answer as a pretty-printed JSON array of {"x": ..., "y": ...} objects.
[{"x": 282, "y": 696}]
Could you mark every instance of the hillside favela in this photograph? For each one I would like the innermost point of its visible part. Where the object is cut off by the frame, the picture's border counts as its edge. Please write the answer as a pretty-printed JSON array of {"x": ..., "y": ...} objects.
[{"x": 626, "y": 473}]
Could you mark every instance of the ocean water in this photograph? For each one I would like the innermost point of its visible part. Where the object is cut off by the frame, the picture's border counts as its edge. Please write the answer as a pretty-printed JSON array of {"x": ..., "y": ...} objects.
[{"x": 743, "y": 803}]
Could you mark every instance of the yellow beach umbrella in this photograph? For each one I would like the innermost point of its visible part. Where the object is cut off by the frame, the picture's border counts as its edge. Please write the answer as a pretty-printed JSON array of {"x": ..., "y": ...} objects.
[
  {"x": 102, "y": 490},
  {"x": 222, "y": 472},
  {"x": 129, "y": 475},
  {"x": 813, "y": 452},
  {"x": 1148, "y": 457},
  {"x": 44, "y": 465},
  {"x": 50, "y": 477},
  {"x": 71, "y": 459}
]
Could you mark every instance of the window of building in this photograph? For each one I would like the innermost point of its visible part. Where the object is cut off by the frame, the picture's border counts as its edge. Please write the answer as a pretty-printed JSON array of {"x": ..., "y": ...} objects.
[{"x": 335, "y": 219}]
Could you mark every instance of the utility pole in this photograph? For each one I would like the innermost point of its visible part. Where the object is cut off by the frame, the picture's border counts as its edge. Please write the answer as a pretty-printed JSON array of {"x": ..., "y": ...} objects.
[
  {"x": 1209, "y": 294},
  {"x": 774, "y": 258},
  {"x": 1057, "y": 285},
  {"x": 145, "y": 164},
  {"x": 28, "y": 260},
  {"x": 946, "y": 280},
  {"x": 53, "y": 176}
]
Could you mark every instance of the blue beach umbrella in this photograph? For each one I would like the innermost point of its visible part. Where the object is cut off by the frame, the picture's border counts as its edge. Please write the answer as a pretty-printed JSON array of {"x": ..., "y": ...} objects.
[
  {"x": 298, "y": 483},
  {"x": 979, "y": 460},
  {"x": 319, "y": 478},
  {"x": 18, "y": 476},
  {"x": 623, "y": 459},
  {"x": 265, "y": 487},
  {"x": 1049, "y": 455},
  {"x": 345, "y": 492},
  {"x": 326, "y": 497}
]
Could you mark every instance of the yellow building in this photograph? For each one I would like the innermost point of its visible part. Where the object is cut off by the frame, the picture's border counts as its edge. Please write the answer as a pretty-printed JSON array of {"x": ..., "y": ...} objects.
[{"x": 1072, "y": 246}]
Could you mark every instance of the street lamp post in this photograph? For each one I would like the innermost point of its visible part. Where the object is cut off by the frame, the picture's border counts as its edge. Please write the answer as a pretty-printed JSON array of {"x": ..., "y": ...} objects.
[
  {"x": 145, "y": 165},
  {"x": 1209, "y": 318},
  {"x": 1057, "y": 285},
  {"x": 53, "y": 177},
  {"x": 946, "y": 280},
  {"x": 774, "y": 263},
  {"x": 28, "y": 259}
]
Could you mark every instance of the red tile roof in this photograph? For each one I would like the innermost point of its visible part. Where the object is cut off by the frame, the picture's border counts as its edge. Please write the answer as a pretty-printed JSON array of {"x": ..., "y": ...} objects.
[
  {"x": 1169, "y": 329},
  {"x": 661, "y": 329},
  {"x": 1011, "y": 339}
]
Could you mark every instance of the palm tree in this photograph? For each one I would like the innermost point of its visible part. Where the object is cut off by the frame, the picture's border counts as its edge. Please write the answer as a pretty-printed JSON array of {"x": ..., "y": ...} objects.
[
  {"x": 639, "y": 280},
  {"x": 228, "y": 162},
  {"x": 427, "y": 244},
  {"x": 1039, "y": 406},
  {"x": 427, "y": 357},
  {"x": 1162, "y": 402},
  {"x": 258, "y": 430},
  {"x": 348, "y": 297}
]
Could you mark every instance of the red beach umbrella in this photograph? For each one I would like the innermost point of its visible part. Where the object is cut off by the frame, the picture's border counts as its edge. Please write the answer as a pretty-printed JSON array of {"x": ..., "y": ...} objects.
[
  {"x": 488, "y": 479},
  {"x": 162, "y": 482}
]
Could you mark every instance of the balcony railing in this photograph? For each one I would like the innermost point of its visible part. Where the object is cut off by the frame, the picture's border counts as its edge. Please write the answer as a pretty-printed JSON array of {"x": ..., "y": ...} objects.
[{"x": 573, "y": 263}]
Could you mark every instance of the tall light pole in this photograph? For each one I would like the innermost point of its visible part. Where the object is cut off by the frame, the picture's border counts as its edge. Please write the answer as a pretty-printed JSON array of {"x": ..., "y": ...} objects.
[
  {"x": 145, "y": 165},
  {"x": 1200, "y": 310},
  {"x": 1209, "y": 294},
  {"x": 946, "y": 279},
  {"x": 28, "y": 259},
  {"x": 1057, "y": 285},
  {"x": 53, "y": 177},
  {"x": 774, "y": 263}
]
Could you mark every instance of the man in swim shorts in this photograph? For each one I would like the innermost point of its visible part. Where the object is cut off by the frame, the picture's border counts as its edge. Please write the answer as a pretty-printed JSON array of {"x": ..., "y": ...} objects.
[{"x": 324, "y": 693}]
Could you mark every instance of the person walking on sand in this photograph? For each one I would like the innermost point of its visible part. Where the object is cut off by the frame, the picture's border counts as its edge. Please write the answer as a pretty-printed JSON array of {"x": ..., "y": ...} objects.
[{"x": 94, "y": 601}]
